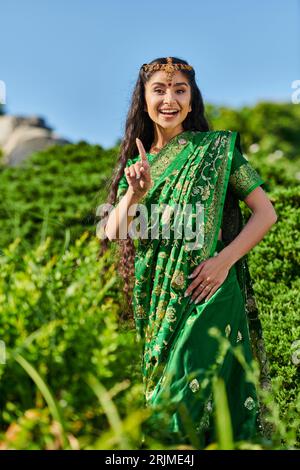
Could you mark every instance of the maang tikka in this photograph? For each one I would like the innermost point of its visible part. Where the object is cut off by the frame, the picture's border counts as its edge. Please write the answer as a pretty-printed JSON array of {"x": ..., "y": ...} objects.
[{"x": 170, "y": 68}]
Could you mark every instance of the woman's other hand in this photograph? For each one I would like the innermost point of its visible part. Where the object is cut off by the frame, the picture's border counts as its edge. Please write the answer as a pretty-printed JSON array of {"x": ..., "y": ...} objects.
[
  {"x": 207, "y": 277},
  {"x": 138, "y": 175}
]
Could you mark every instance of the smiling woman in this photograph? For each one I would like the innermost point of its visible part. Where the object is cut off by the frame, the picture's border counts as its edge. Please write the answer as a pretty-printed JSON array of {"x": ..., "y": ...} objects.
[{"x": 180, "y": 294}]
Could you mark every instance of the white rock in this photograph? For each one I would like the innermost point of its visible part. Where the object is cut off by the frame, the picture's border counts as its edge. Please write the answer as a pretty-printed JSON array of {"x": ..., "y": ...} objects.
[{"x": 21, "y": 136}]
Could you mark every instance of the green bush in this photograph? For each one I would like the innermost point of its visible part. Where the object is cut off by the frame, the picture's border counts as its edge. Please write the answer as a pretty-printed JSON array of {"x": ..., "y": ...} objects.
[
  {"x": 274, "y": 267},
  {"x": 61, "y": 313},
  {"x": 57, "y": 189},
  {"x": 274, "y": 126}
]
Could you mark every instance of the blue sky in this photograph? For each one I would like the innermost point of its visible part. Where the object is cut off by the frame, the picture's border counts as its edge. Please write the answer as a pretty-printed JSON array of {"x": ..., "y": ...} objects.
[{"x": 75, "y": 62}]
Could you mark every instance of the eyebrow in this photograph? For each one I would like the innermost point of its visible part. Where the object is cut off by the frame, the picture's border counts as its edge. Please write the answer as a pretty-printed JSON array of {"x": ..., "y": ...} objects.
[{"x": 163, "y": 84}]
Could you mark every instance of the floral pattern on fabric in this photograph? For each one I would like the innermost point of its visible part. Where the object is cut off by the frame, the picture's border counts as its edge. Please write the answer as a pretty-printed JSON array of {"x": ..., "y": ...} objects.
[{"x": 244, "y": 180}]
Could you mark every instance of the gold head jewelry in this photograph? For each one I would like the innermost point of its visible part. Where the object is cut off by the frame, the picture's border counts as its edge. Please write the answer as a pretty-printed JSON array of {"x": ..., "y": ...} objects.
[{"x": 170, "y": 68}]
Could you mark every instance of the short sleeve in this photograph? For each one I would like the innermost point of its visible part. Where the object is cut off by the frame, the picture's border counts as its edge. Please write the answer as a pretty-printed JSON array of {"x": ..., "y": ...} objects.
[
  {"x": 243, "y": 177},
  {"x": 122, "y": 188}
]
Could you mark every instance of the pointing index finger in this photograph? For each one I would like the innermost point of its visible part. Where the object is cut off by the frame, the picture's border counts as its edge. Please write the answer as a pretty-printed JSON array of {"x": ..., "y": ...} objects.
[{"x": 142, "y": 151}]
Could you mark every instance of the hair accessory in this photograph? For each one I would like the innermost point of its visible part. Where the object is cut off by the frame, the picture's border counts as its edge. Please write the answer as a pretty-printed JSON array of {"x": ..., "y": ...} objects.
[{"x": 170, "y": 68}]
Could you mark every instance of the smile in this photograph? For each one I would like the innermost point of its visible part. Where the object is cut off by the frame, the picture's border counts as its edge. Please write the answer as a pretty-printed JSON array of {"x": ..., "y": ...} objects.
[{"x": 169, "y": 113}]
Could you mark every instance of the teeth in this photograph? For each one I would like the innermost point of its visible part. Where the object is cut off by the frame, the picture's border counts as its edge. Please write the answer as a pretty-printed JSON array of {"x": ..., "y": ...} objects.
[{"x": 169, "y": 112}]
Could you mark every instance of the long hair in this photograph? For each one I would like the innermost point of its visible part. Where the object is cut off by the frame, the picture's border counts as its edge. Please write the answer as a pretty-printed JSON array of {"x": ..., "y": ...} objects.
[{"x": 139, "y": 124}]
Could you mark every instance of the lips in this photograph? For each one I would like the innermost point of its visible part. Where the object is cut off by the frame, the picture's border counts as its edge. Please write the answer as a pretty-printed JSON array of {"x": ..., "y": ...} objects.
[{"x": 169, "y": 112}]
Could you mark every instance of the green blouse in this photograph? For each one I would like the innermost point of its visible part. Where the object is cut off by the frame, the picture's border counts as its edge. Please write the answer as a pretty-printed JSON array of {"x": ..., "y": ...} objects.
[{"x": 243, "y": 177}]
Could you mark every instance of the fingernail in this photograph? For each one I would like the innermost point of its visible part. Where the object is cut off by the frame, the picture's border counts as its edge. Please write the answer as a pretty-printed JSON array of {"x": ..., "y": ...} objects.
[
  {"x": 189, "y": 276},
  {"x": 137, "y": 176},
  {"x": 190, "y": 301},
  {"x": 185, "y": 294}
]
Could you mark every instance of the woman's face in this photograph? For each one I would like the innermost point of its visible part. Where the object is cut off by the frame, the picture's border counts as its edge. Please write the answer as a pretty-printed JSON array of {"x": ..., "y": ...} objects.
[{"x": 162, "y": 94}]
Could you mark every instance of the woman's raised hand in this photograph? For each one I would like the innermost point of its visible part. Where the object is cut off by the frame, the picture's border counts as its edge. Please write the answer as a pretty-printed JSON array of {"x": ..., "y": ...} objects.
[{"x": 138, "y": 175}]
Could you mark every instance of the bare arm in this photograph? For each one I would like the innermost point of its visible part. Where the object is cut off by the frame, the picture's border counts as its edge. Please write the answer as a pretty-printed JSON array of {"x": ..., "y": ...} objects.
[
  {"x": 262, "y": 218},
  {"x": 119, "y": 220},
  {"x": 210, "y": 274}
]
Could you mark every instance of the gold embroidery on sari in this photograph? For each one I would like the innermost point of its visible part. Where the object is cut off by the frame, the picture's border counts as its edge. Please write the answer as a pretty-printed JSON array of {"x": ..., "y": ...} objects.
[
  {"x": 166, "y": 155},
  {"x": 239, "y": 337},
  {"x": 178, "y": 279},
  {"x": 243, "y": 179},
  {"x": 171, "y": 314},
  {"x": 249, "y": 403},
  {"x": 194, "y": 385},
  {"x": 204, "y": 182},
  {"x": 140, "y": 312}
]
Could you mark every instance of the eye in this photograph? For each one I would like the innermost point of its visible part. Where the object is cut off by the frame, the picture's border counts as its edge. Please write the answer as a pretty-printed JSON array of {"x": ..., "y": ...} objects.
[{"x": 159, "y": 89}]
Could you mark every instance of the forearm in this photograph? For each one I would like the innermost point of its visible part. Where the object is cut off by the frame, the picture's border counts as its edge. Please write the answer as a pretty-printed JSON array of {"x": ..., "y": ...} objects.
[
  {"x": 252, "y": 233},
  {"x": 119, "y": 219}
]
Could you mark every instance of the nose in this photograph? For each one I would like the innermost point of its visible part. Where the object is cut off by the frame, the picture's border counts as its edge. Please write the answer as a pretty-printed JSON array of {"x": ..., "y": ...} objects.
[{"x": 169, "y": 98}]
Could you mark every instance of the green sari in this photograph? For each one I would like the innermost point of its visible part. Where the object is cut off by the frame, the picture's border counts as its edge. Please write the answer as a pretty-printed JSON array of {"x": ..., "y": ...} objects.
[{"x": 179, "y": 355}]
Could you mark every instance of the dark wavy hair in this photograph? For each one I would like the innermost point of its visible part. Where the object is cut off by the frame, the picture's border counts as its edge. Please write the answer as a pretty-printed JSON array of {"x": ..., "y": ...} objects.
[{"x": 139, "y": 124}]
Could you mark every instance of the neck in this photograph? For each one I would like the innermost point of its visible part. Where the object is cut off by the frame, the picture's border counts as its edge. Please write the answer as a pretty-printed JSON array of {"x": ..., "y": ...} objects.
[{"x": 162, "y": 136}]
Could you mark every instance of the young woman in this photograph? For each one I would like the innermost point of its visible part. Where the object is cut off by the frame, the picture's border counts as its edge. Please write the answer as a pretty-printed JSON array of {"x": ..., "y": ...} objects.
[{"x": 180, "y": 290}]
